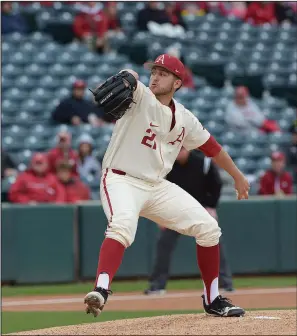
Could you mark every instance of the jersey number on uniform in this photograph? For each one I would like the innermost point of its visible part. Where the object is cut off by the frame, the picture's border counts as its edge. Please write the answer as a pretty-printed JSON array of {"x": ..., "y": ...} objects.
[{"x": 149, "y": 140}]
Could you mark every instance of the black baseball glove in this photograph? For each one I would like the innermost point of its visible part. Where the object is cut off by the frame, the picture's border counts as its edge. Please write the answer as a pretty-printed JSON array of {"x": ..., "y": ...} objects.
[{"x": 115, "y": 95}]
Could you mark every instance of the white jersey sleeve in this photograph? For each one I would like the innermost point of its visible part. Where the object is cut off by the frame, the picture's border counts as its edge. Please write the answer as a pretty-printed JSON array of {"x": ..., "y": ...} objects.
[
  {"x": 138, "y": 95},
  {"x": 197, "y": 134}
]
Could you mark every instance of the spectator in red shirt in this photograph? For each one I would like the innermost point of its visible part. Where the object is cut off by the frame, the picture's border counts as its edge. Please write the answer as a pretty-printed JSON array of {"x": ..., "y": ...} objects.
[
  {"x": 276, "y": 181},
  {"x": 63, "y": 152},
  {"x": 75, "y": 191},
  {"x": 174, "y": 14},
  {"x": 37, "y": 184},
  {"x": 261, "y": 12},
  {"x": 113, "y": 20},
  {"x": 91, "y": 25}
]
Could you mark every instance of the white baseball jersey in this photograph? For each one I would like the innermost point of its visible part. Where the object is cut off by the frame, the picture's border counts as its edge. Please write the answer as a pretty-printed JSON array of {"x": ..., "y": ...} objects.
[{"x": 142, "y": 144}]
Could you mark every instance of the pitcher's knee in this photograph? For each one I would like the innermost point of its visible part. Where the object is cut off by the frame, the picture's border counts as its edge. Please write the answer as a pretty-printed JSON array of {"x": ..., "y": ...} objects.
[
  {"x": 209, "y": 234},
  {"x": 122, "y": 230}
]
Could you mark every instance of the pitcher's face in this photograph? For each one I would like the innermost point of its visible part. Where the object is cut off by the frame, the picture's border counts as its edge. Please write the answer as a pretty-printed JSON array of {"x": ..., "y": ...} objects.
[{"x": 163, "y": 82}]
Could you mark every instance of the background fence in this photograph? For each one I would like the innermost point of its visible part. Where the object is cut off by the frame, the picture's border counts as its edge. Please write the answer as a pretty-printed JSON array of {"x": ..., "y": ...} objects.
[{"x": 51, "y": 243}]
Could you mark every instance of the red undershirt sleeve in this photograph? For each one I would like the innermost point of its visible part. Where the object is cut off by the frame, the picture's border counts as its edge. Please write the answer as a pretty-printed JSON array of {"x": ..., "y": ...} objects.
[{"x": 211, "y": 147}]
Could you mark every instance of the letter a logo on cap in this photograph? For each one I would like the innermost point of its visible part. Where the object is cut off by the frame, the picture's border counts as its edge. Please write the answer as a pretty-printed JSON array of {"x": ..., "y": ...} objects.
[{"x": 160, "y": 59}]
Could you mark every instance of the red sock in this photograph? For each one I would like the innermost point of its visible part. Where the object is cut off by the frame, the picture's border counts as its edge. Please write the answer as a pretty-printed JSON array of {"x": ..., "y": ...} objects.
[
  {"x": 209, "y": 264},
  {"x": 110, "y": 258}
]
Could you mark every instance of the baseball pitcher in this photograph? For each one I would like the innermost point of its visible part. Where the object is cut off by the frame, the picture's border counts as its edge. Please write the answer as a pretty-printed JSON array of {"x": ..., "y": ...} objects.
[{"x": 150, "y": 130}]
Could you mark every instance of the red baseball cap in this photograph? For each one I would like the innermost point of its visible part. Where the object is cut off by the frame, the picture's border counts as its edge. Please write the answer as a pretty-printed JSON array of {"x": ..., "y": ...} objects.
[
  {"x": 277, "y": 156},
  {"x": 39, "y": 158},
  {"x": 79, "y": 84},
  {"x": 170, "y": 63}
]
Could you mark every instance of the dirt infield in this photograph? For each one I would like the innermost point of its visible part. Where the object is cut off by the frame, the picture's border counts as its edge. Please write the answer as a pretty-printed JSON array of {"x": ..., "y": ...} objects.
[
  {"x": 269, "y": 322},
  {"x": 279, "y": 322},
  {"x": 173, "y": 300}
]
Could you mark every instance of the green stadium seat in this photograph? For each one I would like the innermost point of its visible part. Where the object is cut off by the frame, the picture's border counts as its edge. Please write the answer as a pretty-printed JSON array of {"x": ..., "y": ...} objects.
[
  {"x": 11, "y": 71},
  {"x": 43, "y": 58},
  {"x": 246, "y": 165},
  {"x": 233, "y": 139},
  {"x": 32, "y": 106},
  {"x": 17, "y": 131},
  {"x": 218, "y": 115},
  {"x": 49, "y": 82},
  {"x": 26, "y": 83},
  {"x": 41, "y": 131},
  {"x": 34, "y": 70},
  {"x": 66, "y": 58},
  {"x": 82, "y": 71},
  {"x": 59, "y": 70},
  {"x": 214, "y": 128},
  {"x": 24, "y": 156},
  {"x": 232, "y": 151},
  {"x": 14, "y": 38},
  {"x": 264, "y": 164},
  {"x": 15, "y": 95},
  {"x": 253, "y": 151},
  {"x": 90, "y": 59},
  {"x": 25, "y": 118},
  {"x": 284, "y": 123},
  {"x": 34, "y": 143},
  {"x": 279, "y": 138},
  {"x": 9, "y": 107},
  {"x": 11, "y": 144}
]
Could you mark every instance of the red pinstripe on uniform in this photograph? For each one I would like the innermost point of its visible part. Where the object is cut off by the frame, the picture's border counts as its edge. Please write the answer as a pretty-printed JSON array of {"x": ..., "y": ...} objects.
[{"x": 107, "y": 196}]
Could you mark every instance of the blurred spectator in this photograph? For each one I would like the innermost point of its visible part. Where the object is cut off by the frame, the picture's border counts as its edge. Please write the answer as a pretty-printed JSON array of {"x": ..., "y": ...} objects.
[
  {"x": 226, "y": 8},
  {"x": 198, "y": 8},
  {"x": 63, "y": 152},
  {"x": 76, "y": 110},
  {"x": 174, "y": 14},
  {"x": 286, "y": 11},
  {"x": 188, "y": 81},
  {"x": 243, "y": 114},
  {"x": 292, "y": 150},
  {"x": 8, "y": 167},
  {"x": 37, "y": 184},
  {"x": 151, "y": 13},
  {"x": 73, "y": 188},
  {"x": 87, "y": 163},
  {"x": 236, "y": 9},
  {"x": 276, "y": 181},
  {"x": 91, "y": 25},
  {"x": 11, "y": 21},
  {"x": 113, "y": 20},
  {"x": 260, "y": 12}
]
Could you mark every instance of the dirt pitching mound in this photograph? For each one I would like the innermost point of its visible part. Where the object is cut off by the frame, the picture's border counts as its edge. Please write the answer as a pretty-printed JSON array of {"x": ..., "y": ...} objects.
[{"x": 281, "y": 322}]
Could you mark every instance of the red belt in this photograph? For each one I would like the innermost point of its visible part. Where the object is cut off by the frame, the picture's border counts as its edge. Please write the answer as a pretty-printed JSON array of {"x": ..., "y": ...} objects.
[{"x": 119, "y": 172}]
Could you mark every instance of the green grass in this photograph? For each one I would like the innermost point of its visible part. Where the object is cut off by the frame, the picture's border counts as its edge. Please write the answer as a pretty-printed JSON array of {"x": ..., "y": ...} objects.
[
  {"x": 20, "y": 321},
  {"x": 132, "y": 286}
]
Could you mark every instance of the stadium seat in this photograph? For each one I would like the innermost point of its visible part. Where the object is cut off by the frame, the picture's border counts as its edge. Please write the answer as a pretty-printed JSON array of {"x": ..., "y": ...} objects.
[
  {"x": 43, "y": 58},
  {"x": 11, "y": 71},
  {"x": 245, "y": 165},
  {"x": 59, "y": 70},
  {"x": 38, "y": 72},
  {"x": 24, "y": 156}
]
